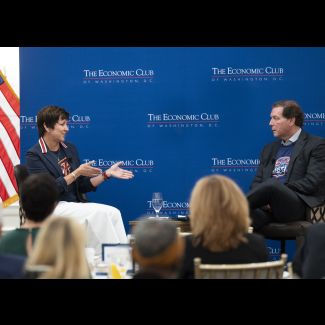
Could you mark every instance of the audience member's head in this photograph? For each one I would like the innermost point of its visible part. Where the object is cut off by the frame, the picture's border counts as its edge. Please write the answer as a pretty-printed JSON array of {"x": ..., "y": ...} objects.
[
  {"x": 158, "y": 247},
  {"x": 38, "y": 196},
  {"x": 219, "y": 213},
  {"x": 60, "y": 245}
]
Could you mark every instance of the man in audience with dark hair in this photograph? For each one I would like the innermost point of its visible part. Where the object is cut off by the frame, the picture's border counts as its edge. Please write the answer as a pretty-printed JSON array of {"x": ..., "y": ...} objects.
[
  {"x": 291, "y": 175},
  {"x": 38, "y": 197},
  {"x": 158, "y": 249},
  {"x": 11, "y": 266},
  {"x": 309, "y": 262}
]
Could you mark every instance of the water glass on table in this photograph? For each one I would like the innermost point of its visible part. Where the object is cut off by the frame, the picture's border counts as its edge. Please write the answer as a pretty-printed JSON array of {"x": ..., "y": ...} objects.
[{"x": 157, "y": 202}]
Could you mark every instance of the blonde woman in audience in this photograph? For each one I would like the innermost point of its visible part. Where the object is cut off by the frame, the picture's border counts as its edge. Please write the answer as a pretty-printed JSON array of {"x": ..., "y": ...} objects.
[
  {"x": 219, "y": 218},
  {"x": 59, "y": 251}
]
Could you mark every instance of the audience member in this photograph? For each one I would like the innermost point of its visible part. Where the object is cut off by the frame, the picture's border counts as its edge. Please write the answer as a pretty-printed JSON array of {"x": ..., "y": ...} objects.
[
  {"x": 11, "y": 266},
  {"x": 291, "y": 175},
  {"x": 59, "y": 251},
  {"x": 158, "y": 249},
  {"x": 61, "y": 160},
  {"x": 309, "y": 262},
  {"x": 38, "y": 198},
  {"x": 219, "y": 218}
]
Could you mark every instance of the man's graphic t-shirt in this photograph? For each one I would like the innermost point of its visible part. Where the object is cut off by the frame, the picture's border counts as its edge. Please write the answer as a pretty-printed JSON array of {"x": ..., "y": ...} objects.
[{"x": 282, "y": 161}]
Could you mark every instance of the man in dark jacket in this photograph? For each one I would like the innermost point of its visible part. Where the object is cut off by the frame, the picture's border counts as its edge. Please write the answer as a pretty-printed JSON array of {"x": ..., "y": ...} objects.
[
  {"x": 291, "y": 175},
  {"x": 309, "y": 262}
]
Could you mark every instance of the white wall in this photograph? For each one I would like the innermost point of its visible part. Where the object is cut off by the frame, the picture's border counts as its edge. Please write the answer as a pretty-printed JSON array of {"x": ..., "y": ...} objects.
[{"x": 9, "y": 65}]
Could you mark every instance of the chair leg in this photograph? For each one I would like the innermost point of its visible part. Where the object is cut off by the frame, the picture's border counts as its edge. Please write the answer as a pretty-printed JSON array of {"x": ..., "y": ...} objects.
[{"x": 283, "y": 246}]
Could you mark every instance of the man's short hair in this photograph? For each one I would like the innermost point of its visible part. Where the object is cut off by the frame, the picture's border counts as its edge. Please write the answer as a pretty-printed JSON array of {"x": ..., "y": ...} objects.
[
  {"x": 157, "y": 244},
  {"x": 153, "y": 236},
  {"x": 38, "y": 196},
  {"x": 291, "y": 109},
  {"x": 50, "y": 115}
]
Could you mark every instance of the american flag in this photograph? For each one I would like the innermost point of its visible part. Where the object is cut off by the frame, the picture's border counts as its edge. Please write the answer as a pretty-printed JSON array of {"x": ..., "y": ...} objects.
[{"x": 9, "y": 141}]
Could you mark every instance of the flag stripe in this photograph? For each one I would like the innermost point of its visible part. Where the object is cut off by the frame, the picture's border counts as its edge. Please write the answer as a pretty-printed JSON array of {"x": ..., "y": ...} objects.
[
  {"x": 3, "y": 193},
  {"x": 5, "y": 105},
  {"x": 8, "y": 187},
  {"x": 7, "y": 163},
  {"x": 4, "y": 137},
  {"x": 10, "y": 130},
  {"x": 10, "y": 96},
  {"x": 9, "y": 141}
]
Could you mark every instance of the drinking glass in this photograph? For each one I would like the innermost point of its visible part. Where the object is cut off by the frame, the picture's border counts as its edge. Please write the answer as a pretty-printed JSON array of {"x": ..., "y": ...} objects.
[{"x": 157, "y": 202}]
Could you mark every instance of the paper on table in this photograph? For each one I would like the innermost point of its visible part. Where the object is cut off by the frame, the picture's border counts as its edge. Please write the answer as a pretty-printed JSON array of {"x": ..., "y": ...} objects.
[{"x": 181, "y": 217}]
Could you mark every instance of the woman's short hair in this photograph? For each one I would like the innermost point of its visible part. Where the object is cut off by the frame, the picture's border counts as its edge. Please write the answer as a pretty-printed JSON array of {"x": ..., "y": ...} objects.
[
  {"x": 219, "y": 213},
  {"x": 50, "y": 115}
]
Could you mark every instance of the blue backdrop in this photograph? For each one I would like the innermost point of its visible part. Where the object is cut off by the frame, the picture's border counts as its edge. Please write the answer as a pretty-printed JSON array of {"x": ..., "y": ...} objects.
[{"x": 172, "y": 115}]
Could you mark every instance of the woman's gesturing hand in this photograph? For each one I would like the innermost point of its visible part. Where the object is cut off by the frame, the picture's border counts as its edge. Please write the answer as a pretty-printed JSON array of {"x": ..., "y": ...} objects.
[
  {"x": 87, "y": 170},
  {"x": 118, "y": 172}
]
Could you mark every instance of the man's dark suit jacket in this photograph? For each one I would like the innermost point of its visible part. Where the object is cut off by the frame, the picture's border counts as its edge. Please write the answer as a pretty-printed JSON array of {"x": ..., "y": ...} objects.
[
  {"x": 40, "y": 160},
  {"x": 306, "y": 170},
  {"x": 309, "y": 262}
]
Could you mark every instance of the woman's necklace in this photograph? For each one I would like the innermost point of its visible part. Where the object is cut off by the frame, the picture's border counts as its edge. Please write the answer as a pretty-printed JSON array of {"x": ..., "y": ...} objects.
[{"x": 57, "y": 154}]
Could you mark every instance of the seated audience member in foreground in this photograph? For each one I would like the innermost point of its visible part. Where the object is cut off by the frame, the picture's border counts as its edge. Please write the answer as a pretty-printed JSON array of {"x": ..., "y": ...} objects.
[
  {"x": 309, "y": 262},
  {"x": 158, "y": 249},
  {"x": 219, "y": 218},
  {"x": 59, "y": 251},
  {"x": 11, "y": 266},
  {"x": 38, "y": 198}
]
